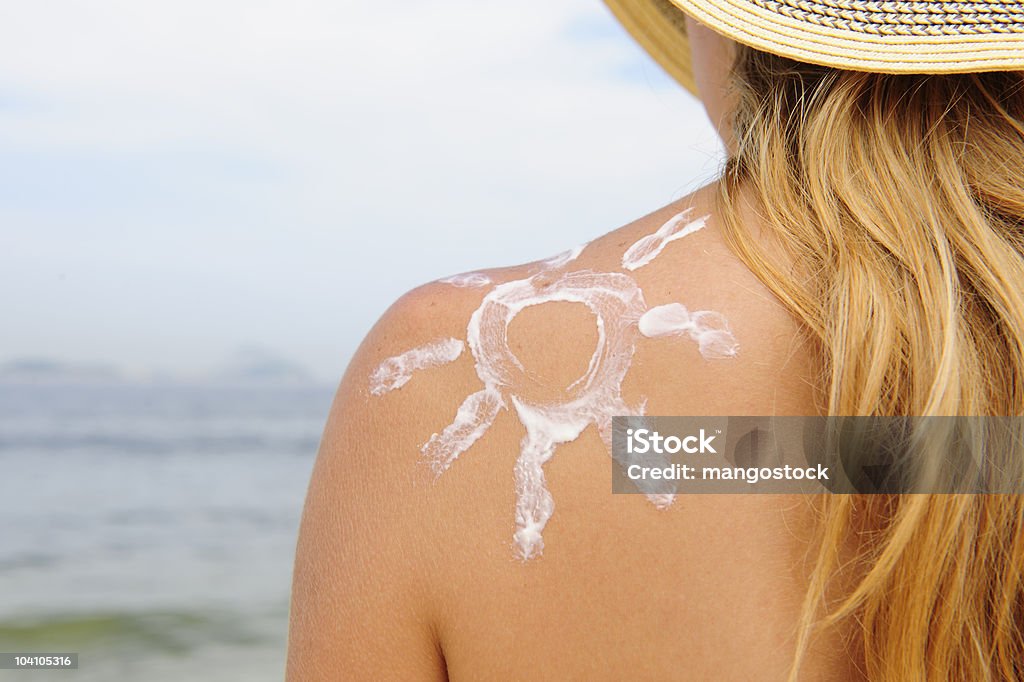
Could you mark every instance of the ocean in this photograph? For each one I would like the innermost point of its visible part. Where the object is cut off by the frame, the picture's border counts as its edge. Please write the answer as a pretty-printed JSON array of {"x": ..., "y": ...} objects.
[{"x": 152, "y": 529}]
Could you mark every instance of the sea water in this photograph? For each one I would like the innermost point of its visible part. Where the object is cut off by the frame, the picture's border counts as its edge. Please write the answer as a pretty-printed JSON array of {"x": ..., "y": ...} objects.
[{"x": 152, "y": 529}]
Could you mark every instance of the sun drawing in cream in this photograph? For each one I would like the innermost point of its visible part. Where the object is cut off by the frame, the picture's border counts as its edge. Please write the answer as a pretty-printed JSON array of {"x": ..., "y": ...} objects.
[
  {"x": 467, "y": 279},
  {"x": 647, "y": 249},
  {"x": 395, "y": 372},
  {"x": 622, "y": 317}
]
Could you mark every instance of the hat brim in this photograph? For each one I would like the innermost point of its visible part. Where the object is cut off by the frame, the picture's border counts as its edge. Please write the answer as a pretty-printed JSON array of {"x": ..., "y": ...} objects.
[{"x": 660, "y": 28}]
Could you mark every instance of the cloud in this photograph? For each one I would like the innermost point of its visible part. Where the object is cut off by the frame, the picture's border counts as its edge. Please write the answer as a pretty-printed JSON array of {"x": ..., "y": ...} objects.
[{"x": 307, "y": 161}]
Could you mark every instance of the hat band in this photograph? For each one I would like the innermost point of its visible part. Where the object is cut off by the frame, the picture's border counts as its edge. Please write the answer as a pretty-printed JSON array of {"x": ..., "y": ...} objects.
[{"x": 904, "y": 18}]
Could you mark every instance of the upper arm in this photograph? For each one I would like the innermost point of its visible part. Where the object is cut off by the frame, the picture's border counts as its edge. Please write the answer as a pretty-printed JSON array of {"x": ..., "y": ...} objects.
[{"x": 361, "y": 602}]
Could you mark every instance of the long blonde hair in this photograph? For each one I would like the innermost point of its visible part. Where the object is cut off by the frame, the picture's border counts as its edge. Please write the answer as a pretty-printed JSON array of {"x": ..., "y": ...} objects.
[{"x": 901, "y": 200}]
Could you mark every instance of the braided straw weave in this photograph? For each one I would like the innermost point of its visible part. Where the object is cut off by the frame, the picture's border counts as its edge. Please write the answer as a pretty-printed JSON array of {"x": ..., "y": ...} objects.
[
  {"x": 864, "y": 35},
  {"x": 905, "y": 18}
]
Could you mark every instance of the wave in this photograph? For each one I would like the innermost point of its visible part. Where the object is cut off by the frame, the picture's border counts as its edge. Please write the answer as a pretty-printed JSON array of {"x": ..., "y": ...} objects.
[
  {"x": 127, "y": 444},
  {"x": 139, "y": 634}
]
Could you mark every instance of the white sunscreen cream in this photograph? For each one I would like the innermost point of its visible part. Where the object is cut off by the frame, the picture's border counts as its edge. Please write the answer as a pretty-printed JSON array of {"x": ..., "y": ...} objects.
[
  {"x": 594, "y": 398},
  {"x": 481, "y": 279},
  {"x": 709, "y": 329},
  {"x": 564, "y": 258},
  {"x": 626, "y": 426},
  {"x": 395, "y": 372},
  {"x": 618, "y": 306},
  {"x": 467, "y": 279},
  {"x": 647, "y": 249}
]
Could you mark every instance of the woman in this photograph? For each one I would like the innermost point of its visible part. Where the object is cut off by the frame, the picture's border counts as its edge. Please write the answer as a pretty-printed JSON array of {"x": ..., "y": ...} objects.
[{"x": 861, "y": 254}]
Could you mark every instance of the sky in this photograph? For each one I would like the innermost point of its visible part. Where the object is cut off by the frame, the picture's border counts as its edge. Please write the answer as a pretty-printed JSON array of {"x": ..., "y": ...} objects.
[{"x": 182, "y": 179}]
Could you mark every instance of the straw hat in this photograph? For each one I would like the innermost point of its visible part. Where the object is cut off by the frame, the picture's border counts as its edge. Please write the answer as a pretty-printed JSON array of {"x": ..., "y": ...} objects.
[{"x": 861, "y": 35}]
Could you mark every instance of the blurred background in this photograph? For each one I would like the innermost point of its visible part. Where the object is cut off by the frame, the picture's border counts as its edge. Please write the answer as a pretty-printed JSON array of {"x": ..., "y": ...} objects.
[{"x": 204, "y": 206}]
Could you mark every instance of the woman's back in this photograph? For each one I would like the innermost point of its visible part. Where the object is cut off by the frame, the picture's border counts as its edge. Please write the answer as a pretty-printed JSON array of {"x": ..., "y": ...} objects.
[
  {"x": 876, "y": 193},
  {"x": 410, "y": 563}
]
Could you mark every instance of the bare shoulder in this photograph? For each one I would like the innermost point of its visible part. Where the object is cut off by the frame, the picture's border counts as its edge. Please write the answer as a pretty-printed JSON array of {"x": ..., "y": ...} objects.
[
  {"x": 366, "y": 558},
  {"x": 714, "y": 339},
  {"x": 481, "y": 403}
]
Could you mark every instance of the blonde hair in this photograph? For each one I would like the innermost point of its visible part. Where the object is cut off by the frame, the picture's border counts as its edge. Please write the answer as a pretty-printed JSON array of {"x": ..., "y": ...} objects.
[{"x": 901, "y": 200}]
